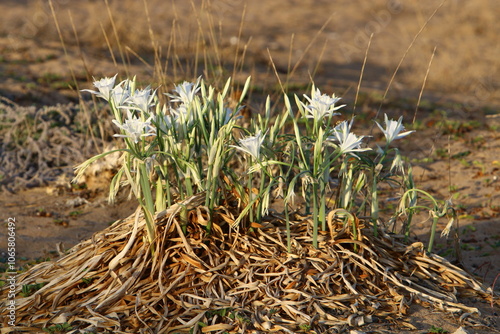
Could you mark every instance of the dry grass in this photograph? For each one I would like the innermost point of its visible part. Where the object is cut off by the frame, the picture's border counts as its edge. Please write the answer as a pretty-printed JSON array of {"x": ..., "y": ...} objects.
[
  {"x": 238, "y": 280},
  {"x": 40, "y": 144}
]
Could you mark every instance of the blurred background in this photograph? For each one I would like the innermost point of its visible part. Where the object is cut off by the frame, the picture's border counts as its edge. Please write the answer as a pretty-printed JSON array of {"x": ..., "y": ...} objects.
[{"x": 451, "y": 45}]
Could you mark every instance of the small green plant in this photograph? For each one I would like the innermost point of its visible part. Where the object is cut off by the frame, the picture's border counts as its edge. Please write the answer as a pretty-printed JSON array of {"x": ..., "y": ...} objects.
[
  {"x": 461, "y": 155},
  {"x": 458, "y": 128},
  {"x": 58, "y": 328},
  {"x": 494, "y": 245},
  {"x": 61, "y": 221},
  {"x": 223, "y": 312},
  {"x": 469, "y": 247},
  {"x": 29, "y": 289},
  {"x": 437, "y": 330},
  {"x": 48, "y": 78},
  {"x": 480, "y": 165},
  {"x": 463, "y": 162},
  {"x": 442, "y": 152},
  {"x": 88, "y": 280},
  {"x": 42, "y": 212},
  {"x": 408, "y": 205},
  {"x": 469, "y": 229},
  {"x": 75, "y": 213},
  {"x": 305, "y": 327},
  {"x": 79, "y": 186},
  {"x": 235, "y": 315}
]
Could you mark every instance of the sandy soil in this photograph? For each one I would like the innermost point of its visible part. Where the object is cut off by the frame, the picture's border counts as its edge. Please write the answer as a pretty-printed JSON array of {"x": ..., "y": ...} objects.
[{"x": 456, "y": 150}]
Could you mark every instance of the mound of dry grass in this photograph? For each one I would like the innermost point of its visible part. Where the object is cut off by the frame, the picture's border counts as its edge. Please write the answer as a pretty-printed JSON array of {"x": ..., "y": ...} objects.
[{"x": 237, "y": 280}]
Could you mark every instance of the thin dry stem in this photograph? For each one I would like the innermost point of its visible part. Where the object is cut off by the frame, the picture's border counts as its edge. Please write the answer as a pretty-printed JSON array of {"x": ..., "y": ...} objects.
[
  {"x": 275, "y": 71},
  {"x": 423, "y": 84},
  {"x": 406, "y": 53},
  {"x": 118, "y": 42},
  {"x": 240, "y": 32},
  {"x": 311, "y": 43},
  {"x": 362, "y": 72}
]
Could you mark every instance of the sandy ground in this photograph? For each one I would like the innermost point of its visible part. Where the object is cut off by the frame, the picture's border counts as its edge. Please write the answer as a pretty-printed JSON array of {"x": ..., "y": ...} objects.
[{"x": 455, "y": 152}]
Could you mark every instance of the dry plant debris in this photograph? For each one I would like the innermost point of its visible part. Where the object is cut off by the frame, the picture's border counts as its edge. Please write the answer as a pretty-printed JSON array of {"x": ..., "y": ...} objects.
[
  {"x": 38, "y": 145},
  {"x": 238, "y": 280}
]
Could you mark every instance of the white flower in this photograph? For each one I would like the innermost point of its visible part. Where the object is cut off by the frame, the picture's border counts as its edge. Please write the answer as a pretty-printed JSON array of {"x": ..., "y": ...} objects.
[
  {"x": 178, "y": 120},
  {"x": 120, "y": 94},
  {"x": 348, "y": 142},
  {"x": 185, "y": 92},
  {"x": 251, "y": 145},
  {"x": 104, "y": 87},
  {"x": 135, "y": 128},
  {"x": 182, "y": 114},
  {"x": 164, "y": 121},
  {"x": 321, "y": 105},
  {"x": 343, "y": 127},
  {"x": 351, "y": 143},
  {"x": 290, "y": 197},
  {"x": 141, "y": 100},
  {"x": 393, "y": 129},
  {"x": 278, "y": 192},
  {"x": 397, "y": 163}
]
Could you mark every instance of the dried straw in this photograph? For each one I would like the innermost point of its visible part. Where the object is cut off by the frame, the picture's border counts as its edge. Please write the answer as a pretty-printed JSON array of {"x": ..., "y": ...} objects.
[
  {"x": 38, "y": 145},
  {"x": 237, "y": 280}
]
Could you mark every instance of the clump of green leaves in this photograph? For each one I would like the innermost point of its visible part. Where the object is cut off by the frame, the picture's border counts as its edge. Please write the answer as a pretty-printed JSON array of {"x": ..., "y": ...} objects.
[
  {"x": 29, "y": 289},
  {"x": 437, "y": 330},
  {"x": 191, "y": 144},
  {"x": 58, "y": 328},
  {"x": 88, "y": 280}
]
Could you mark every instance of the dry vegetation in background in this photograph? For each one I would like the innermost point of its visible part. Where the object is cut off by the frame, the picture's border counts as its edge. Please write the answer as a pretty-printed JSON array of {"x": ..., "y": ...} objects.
[{"x": 464, "y": 67}]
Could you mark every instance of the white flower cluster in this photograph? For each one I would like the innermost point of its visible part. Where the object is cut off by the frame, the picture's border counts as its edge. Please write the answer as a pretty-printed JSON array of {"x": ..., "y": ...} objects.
[
  {"x": 181, "y": 114},
  {"x": 322, "y": 106},
  {"x": 140, "y": 121},
  {"x": 187, "y": 147}
]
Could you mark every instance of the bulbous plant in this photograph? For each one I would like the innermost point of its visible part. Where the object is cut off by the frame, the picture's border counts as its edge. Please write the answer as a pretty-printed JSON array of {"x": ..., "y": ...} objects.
[
  {"x": 171, "y": 151},
  {"x": 189, "y": 145}
]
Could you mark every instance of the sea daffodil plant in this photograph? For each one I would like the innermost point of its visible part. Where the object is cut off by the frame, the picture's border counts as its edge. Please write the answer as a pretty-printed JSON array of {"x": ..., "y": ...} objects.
[{"x": 191, "y": 144}]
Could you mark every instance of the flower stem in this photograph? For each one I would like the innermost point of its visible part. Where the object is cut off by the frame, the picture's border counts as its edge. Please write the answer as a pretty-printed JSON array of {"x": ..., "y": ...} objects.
[
  {"x": 408, "y": 224},
  {"x": 288, "y": 231},
  {"x": 322, "y": 210},
  {"x": 261, "y": 193},
  {"x": 249, "y": 187},
  {"x": 433, "y": 233},
  {"x": 148, "y": 204},
  {"x": 315, "y": 215},
  {"x": 374, "y": 205}
]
